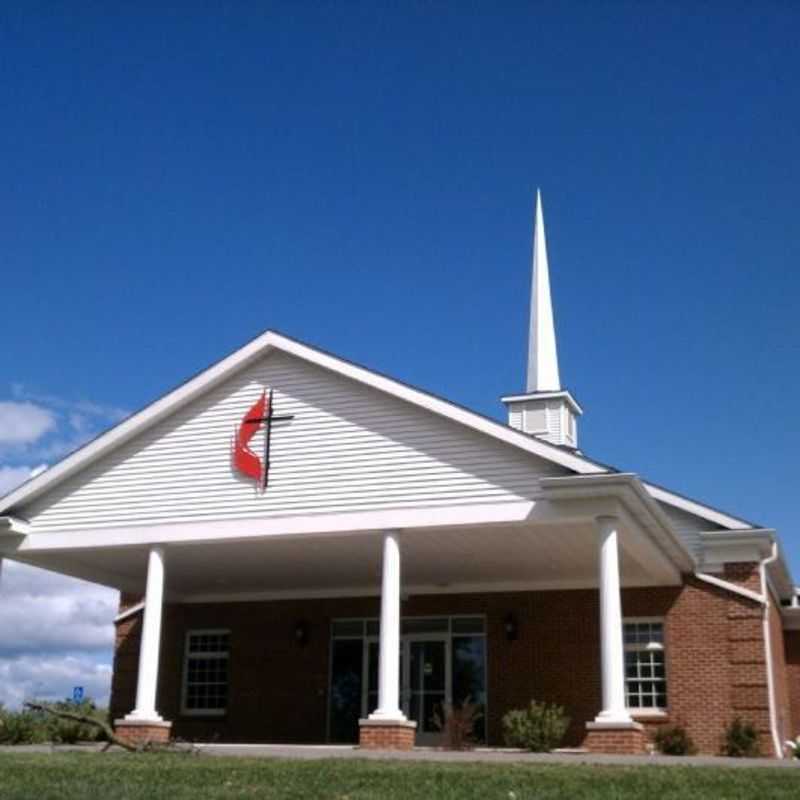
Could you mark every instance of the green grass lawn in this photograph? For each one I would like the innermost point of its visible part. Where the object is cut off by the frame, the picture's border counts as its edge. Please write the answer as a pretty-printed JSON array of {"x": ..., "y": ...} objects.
[{"x": 110, "y": 776}]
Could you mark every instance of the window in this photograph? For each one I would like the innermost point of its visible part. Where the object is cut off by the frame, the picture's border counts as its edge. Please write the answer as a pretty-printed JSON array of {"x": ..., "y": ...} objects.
[
  {"x": 645, "y": 676},
  {"x": 205, "y": 672}
]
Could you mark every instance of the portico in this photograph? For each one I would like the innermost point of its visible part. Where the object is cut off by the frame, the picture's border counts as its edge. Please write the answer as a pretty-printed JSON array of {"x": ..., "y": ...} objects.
[{"x": 558, "y": 545}]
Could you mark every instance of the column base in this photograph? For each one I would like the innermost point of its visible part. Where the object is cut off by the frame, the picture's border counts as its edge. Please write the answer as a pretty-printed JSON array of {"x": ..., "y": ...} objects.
[
  {"x": 616, "y": 738},
  {"x": 386, "y": 734},
  {"x": 143, "y": 731}
]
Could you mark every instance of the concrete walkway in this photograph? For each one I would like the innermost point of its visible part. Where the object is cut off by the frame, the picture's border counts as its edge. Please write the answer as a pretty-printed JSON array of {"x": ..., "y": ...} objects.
[
  {"x": 432, "y": 755},
  {"x": 483, "y": 755}
]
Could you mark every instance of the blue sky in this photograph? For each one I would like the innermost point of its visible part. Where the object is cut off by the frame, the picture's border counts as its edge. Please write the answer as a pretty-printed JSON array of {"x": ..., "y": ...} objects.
[{"x": 361, "y": 176}]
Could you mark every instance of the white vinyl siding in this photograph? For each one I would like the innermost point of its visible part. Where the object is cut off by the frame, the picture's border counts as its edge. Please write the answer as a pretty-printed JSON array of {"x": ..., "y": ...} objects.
[
  {"x": 688, "y": 527},
  {"x": 349, "y": 448}
]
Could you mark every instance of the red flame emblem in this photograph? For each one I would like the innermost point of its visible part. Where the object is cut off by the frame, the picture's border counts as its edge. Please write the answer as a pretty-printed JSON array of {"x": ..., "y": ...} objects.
[{"x": 244, "y": 459}]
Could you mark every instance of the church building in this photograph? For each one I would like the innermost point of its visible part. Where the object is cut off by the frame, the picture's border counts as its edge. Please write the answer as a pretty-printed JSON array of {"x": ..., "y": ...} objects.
[{"x": 309, "y": 551}]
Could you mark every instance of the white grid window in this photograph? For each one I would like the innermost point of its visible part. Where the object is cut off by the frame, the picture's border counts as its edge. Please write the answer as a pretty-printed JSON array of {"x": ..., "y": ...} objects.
[
  {"x": 205, "y": 672},
  {"x": 645, "y": 672}
]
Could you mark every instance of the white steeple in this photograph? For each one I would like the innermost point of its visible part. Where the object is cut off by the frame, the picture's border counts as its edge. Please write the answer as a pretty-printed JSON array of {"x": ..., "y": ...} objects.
[
  {"x": 542, "y": 353},
  {"x": 545, "y": 410}
]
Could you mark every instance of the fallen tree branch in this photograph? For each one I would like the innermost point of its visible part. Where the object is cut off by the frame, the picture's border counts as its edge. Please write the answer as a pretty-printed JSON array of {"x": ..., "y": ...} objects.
[{"x": 111, "y": 737}]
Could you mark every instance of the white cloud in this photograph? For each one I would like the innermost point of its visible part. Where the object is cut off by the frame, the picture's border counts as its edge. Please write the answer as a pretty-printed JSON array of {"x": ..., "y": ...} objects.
[
  {"x": 55, "y": 633},
  {"x": 52, "y": 678},
  {"x": 11, "y": 477},
  {"x": 84, "y": 408},
  {"x": 24, "y": 423}
]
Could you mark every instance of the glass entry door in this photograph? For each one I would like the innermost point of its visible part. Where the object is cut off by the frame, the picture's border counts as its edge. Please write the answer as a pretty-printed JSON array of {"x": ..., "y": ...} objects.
[
  {"x": 424, "y": 681},
  {"x": 442, "y": 663},
  {"x": 426, "y": 690}
]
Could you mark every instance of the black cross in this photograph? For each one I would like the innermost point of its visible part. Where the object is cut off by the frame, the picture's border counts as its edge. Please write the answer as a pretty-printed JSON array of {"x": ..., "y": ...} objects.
[{"x": 269, "y": 419}]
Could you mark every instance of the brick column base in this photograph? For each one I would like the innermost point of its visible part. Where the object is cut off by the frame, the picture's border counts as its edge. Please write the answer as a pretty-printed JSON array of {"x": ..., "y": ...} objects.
[
  {"x": 141, "y": 732},
  {"x": 386, "y": 734},
  {"x": 616, "y": 739}
]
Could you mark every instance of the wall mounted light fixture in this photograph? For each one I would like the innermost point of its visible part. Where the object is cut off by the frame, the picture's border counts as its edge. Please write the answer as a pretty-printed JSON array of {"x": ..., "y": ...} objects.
[
  {"x": 510, "y": 626},
  {"x": 301, "y": 633}
]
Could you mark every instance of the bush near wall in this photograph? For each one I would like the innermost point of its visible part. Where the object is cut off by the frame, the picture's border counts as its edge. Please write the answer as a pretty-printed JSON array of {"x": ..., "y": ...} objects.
[
  {"x": 741, "y": 740},
  {"x": 673, "y": 740},
  {"x": 540, "y": 727},
  {"x": 35, "y": 727}
]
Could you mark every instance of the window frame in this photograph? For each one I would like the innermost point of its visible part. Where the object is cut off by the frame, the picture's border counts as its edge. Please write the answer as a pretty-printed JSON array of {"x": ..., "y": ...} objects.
[
  {"x": 203, "y": 712},
  {"x": 643, "y": 711}
]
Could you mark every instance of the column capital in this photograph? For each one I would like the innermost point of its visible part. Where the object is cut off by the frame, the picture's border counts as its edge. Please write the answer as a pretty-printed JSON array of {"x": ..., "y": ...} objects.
[{"x": 606, "y": 520}]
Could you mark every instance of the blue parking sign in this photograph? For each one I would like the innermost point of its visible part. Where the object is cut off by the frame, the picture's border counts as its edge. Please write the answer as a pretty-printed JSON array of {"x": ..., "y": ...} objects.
[{"x": 77, "y": 694}]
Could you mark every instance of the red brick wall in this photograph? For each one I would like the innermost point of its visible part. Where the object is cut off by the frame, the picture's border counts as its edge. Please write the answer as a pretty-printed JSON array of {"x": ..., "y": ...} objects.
[
  {"x": 715, "y": 659},
  {"x": 126, "y": 662}
]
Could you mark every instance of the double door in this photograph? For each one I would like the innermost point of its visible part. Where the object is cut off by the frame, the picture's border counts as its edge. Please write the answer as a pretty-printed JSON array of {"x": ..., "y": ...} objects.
[{"x": 425, "y": 681}]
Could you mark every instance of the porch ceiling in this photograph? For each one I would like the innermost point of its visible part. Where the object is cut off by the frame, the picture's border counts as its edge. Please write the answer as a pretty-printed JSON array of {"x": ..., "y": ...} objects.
[{"x": 441, "y": 559}]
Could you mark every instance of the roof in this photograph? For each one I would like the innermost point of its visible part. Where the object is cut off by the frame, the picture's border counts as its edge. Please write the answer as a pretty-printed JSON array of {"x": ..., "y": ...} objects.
[{"x": 270, "y": 340}]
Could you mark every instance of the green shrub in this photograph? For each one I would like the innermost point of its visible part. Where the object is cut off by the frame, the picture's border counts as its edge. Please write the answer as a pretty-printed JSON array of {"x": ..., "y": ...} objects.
[
  {"x": 539, "y": 727},
  {"x": 35, "y": 727},
  {"x": 741, "y": 740},
  {"x": 673, "y": 740},
  {"x": 22, "y": 727}
]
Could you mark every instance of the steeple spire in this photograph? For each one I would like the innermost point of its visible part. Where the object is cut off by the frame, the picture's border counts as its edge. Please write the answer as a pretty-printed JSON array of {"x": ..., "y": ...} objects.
[
  {"x": 545, "y": 410},
  {"x": 542, "y": 354}
]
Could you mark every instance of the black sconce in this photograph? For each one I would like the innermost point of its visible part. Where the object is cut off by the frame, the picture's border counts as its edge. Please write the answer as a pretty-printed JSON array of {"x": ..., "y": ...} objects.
[
  {"x": 510, "y": 627},
  {"x": 301, "y": 633}
]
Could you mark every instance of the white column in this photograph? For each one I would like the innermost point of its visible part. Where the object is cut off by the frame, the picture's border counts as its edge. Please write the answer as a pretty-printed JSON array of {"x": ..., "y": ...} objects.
[
  {"x": 389, "y": 657},
  {"x": 612, "y": 653},
  {"x": 150, "y": 644}
]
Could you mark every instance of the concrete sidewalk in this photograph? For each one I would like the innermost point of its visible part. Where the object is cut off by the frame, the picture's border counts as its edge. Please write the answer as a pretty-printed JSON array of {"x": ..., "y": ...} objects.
[
  {"x": 432, "y": 755},
  {"x": 483, "y": 755}
]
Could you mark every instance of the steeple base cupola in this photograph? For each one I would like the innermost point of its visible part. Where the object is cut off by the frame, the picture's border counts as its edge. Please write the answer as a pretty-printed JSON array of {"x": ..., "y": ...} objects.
[
  {"x": 552, "y": 416},
  {"x": 545, "y": 410}
]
